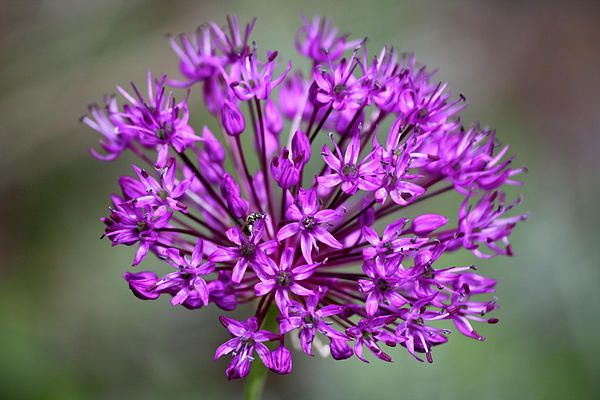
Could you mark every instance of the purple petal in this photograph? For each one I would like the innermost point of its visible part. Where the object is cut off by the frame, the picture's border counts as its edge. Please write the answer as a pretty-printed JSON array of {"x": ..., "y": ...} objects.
[
  {"x": 304, "y": 271},
  {"x": 353, "y": 150},
  {"x": 202, "y": 288},
  {"x": 300, "y": 290},
  {"x": 226, "y": 347},
  {"x": 239, "y": 270},
  {"x": 329, "y": 180},
  {"x": 197, "y": 254},
  {"x": 262, "y": 288},
  {"x": 427, "y": 223},
  {"x": 235, "y": 327},
  {"x": 372, "y": 304},
  {"x": 306, "y": 339},
  {"x": 287, "y": 231},
  {"x": 325, "y": 237},
  {"x": 235, "y": 235},
  {"x": 181, "y": 296},
  {"x": 141, "y": 253},
  {"x": 306, "y": 245}
]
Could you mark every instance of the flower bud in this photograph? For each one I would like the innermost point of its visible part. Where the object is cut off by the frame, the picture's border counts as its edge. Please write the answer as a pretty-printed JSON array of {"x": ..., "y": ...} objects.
[
  {"x": 232, "y": 119},
  {"x": 301, "y": 148},
  {"x": 290, "y": 95},
  {"x": 141, "y": 284},
  {"x": 273, "y": 117},
  {"x": 281, "y": 361},
  {"x": 283, "y": 170},
  {"x": 340, "y": 350},
  {"x": 231, "y": 192},
  {"x": 427, "y": 223},
  {"x": 213, "y": 147},
  {"x": 214, "y": 95}
]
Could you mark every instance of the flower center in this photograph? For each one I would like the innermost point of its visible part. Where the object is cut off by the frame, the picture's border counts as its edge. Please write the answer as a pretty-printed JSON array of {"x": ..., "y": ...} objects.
[
  {"x": 308, "y": 320},
  {"x": 185, "y": 275},
  {"x": 142, "y": 226},
  {"x": 382, "y": 285},
  {"x": 350, "y": 170},
  {"x": 284, "y": 278},
  {"x": 247, "y": 338},
  {"x": 163, "y": 132},
  {"x": 388, "y": 246},
  {"x": 428, "y": 273},
  {"x": 308, "y": 223},
  {"x": 337, "y": 89},
  {"x": 247, "y": 249}
]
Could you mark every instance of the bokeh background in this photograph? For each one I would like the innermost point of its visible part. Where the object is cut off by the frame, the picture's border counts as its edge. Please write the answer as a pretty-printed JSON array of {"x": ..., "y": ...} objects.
[{"x": 70, "y": 329}]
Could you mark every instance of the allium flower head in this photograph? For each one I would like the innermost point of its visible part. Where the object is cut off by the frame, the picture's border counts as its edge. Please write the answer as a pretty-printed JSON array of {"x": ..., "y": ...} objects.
[{"x": 315, "y": 238}]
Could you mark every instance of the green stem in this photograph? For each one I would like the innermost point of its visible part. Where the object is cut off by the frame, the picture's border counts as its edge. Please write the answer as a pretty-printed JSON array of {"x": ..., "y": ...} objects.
[{"x": 255, "y": 381}]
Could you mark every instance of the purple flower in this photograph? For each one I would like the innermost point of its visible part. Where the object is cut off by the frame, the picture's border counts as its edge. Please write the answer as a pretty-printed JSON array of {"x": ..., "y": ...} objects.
[
  {"x": 235, "y": 45},
  {"x": 273, "y": 118},
  {"x": 292, "y": 96},
  {"x": 337, "y": 88},
  {"x": 309, "y": 320},
  {"x": 381, "y": 289},
  {"x": 391, "y": 248},
  {"x": 461, "y": 312},
  {"x": 310, "y": 224},
  {"x": 415, "y": 335},
  {"x": 158, "y": 121},
  {"x": 105, "y": 121},
  {"x": 304, "y": 238},
  {"x": 247, "y": 251},
  {"x": 256, "y": 78},
  {"x": 147, "y": 191},
  {"x": 283, "y": 278},
  {"x": 198, "y": 60},
  {"x": 246, "y": 340},
  {"x": 428, "y": 109},
  {"x": 381, "y": 80},
  {"x": 128, "y": 224},
  {"x": 319, "y": 40},
  {"x": 348, "y": 171},
  {"x": 397, "y": 160},
  {"x": 213, "y": 148},
  {"x": 369, "y": 332},
  {"x": 187, "y": 283},
  {"x": 485, "y": 224}
]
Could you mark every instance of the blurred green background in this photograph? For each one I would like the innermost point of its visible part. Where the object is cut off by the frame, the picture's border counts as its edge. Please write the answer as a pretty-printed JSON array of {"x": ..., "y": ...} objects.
[{"x": 69, "y": 327}]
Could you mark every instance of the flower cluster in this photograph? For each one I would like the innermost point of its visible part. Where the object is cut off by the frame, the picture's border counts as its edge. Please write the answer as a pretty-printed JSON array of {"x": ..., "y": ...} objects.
[{"x": 314, "y": 235}]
